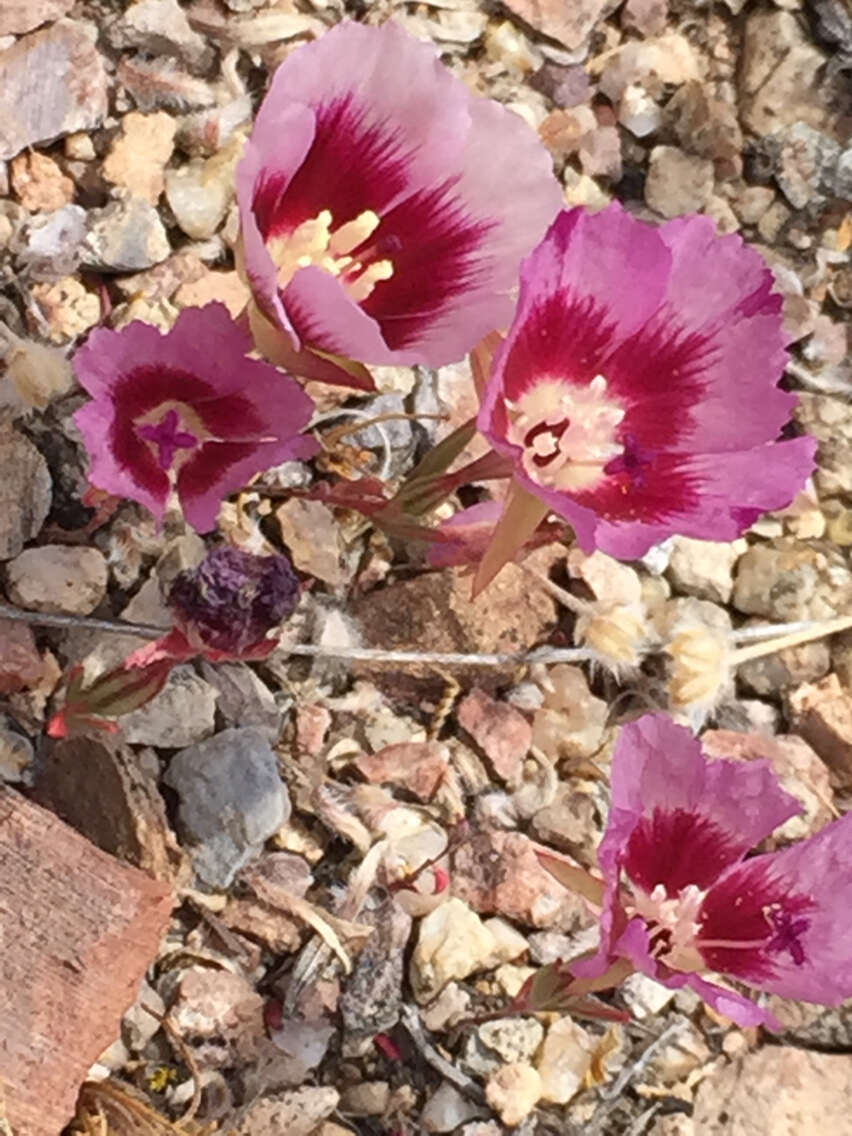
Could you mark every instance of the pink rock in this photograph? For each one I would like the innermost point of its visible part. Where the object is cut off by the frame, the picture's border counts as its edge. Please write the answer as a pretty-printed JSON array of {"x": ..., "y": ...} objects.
[
  {"x": 822, "y": 714},
  {"x": 312, "y": 722},
  {"x": 571, "y": 23},
  {"x": 84, "y": 929},
  {"x": 501, "y": 732},
  {"x": 56, "y": 81},
  {"x": 417, "y": 766},
  {"x": 498, "y": 873},
  {"x": 17, "y": 17},
  {"x": 20, "y": 662}
]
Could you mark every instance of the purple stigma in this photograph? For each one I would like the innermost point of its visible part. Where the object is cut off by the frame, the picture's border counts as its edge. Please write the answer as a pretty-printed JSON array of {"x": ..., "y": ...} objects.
[
  {"x": 168, "y": 438},
  {"x": 788, "y": 931}
]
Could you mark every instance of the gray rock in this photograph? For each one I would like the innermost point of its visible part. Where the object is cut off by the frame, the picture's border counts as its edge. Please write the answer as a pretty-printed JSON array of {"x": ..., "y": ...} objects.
[
  {"x": 677, "y": 182},
  {"x": 779, "y": 73},
  {"x": 371, "y": 1002},
  {"x": 232, "y": 800},
  {"x": 125, "y": 236},
  {"x": 56, "y": 82},
  {"x": 25, "y": 492},
  {"x": 829, "y": 420},
  {"x": 297, "y": 1112},
  {"x": 182, "y": 713},
  {"x": 791, "y": 580},
  {"x": 807, "y": 160},
  {"x": 160, "y": 27},
  {"x": 795, "y": 665},
  {"x": 16, "y": 754},
  {"x": 243, "y": 699},
  {"x": 58, "y": 578},
  {"x": 51, "y": 248}
]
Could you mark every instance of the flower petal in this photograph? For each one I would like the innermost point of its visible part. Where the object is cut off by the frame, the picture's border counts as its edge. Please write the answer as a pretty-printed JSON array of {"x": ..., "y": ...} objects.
[
  {"x": 708, "y": 497},
  {"x": 126, "y": 467},
  {"x": 659, "y": 768},
  {"x": 809, "y": 885},
  {"x": 272, "y": 155},
  {"x": 218, "y": 469}
]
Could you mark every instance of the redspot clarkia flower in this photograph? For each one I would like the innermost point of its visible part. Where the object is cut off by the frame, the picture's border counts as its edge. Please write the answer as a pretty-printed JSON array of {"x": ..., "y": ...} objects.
[
  {"x": 680, "y": 898},
  {"x": 636, "y": 392},
  {"x": 385, "y": 209},
  {"x": 186, "y": 411}
]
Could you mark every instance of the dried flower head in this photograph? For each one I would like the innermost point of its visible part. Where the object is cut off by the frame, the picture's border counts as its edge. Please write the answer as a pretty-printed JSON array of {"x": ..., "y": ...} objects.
[
  {"x": 35, "y": 374},
  {"x": 385, "y": 209},
  {"x": 229, "y": 603},
  {"x": 186, "y": 411},
  {"x": 618, "y": 634},
  {"x": 700, "y": 669},
  {"x": 636, "y": 392},
  {"x": 681, "y": 900}
]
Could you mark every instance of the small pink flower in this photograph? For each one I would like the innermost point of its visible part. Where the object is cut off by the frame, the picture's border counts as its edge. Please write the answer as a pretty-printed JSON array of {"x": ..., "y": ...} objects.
[
  {"x": 186, "y": 411},
  {"x": 385, "y": 209},
  {"x": 681, "y": 899},
  {"x": 636, "y": 392}
]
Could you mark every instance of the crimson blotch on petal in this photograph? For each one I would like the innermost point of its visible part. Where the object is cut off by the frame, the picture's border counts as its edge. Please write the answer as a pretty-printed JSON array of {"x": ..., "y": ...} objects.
[
  {"x": 682, "y": 900},
  {"x": 385, "y": 208},
  {"x": 186, "y": 411},
  {"x": 636, "y": 391}
]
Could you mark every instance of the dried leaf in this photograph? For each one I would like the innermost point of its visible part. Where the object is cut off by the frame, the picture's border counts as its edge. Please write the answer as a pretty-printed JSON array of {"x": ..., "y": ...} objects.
[{"x": 520, "y": 518}]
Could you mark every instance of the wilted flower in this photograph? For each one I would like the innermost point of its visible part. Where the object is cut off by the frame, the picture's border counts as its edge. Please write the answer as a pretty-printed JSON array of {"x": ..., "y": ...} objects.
[
  {"x": 232, "y": 599},
  {"x": 636, "y": 392},
  {"x": 681, "y": 899},
  {"x": 385, "y": 209},
  {"x": 185, "y": 411},
  {"x": 223, "y": 609}
]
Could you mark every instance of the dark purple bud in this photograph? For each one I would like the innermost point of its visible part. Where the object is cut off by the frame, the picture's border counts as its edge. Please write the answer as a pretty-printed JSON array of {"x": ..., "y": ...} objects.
[{"x": 233, "y": 598}]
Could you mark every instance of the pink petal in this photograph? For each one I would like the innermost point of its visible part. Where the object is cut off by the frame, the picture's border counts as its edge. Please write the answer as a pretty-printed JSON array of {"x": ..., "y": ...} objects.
[
  {"x": 660, "y": 766},
  {"x": 129, "y": 471},
  {"x": 219, "y": 469},
  {"x": 274, "y": 152},
  {"x": 708, "y": 497},
  {"x": 812, "y": 881}
]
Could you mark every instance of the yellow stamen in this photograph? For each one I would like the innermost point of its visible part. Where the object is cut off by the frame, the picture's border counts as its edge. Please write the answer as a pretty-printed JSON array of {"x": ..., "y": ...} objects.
[{"x": 314, "y": 244}]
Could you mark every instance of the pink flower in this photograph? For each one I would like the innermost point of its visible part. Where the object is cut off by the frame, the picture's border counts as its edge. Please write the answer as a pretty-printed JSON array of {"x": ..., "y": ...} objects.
[
  {"x": 680, "y": 898},
  {"x": 385, "y": 209},
  {"x": 636, "y": 392},
  {"x": 185, "y": 411}
]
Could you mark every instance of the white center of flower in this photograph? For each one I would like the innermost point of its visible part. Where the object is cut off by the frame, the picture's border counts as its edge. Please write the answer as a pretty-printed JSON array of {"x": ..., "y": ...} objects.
[
  {"x": 567, "y": 432},
  {"x": 314, "y": 243},
  {"x": 672, "y": 925}
]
